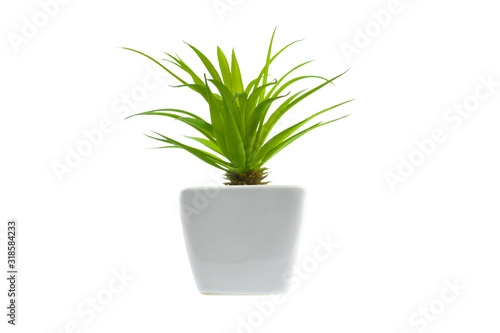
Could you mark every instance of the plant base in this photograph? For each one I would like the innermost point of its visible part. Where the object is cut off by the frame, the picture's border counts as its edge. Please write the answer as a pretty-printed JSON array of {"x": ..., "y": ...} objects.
[{"x": 251, "y": 177}]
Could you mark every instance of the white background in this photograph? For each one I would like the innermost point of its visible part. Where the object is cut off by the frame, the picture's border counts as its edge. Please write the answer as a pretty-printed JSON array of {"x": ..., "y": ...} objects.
[{"x": 118, "y": 209}]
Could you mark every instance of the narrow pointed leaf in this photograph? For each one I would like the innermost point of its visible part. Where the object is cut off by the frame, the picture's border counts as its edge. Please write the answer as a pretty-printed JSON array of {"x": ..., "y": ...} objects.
[
  {"x": 273, "y": 119},
  {"x": 201, "y": 126},
  {"x": 234, "y": 141},
  {"x": 291, "y": 139},
  {"x": 158, "y": 63},
  {"x": 257, "y": 118},
  {"x": 207, "y": 143},
  {"x": 201, "y": 154},
  {"x": 284, "y": 48},
  {"x": 253, "y": 99},
  {"x": 228, "y": 100},
  {"x": 299, "y": 78},
  {"x": 196, "y": 122},
  {"x": 217, "y": 120},
  {"x": 159, "y": 111},
  {"x": 181, "y": 64},
  {"x": 283, "y": 135},
  {"x": 284, "y": 76},
  {"x": 224, "y": 68},
  {"x": 208, "y": 65},
  {"x": 200, "y": 89},
  {"x": 268, "y": 63},
  {"x": 164, "y": 147},
  {"x": 236, "y": 80}
]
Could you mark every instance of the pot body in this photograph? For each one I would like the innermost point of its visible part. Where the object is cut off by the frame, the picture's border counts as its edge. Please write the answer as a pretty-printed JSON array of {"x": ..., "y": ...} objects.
[{"x": 242, "y": 239}]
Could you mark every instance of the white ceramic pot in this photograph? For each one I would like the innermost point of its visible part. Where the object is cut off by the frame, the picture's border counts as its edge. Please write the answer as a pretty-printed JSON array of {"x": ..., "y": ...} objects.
[{"x": 242, "y": 239}]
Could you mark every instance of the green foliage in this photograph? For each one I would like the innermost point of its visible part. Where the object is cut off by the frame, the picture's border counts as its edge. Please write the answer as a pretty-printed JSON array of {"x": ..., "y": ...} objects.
[{"x": 236, "y": 137}]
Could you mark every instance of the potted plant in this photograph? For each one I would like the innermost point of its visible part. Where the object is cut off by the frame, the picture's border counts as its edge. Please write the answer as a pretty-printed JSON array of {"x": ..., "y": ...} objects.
[{"x": 241, "y": 238}]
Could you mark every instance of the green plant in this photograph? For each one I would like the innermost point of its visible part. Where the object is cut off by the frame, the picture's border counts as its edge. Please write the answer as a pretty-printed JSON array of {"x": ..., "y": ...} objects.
[{"x": 240, "y": 117}]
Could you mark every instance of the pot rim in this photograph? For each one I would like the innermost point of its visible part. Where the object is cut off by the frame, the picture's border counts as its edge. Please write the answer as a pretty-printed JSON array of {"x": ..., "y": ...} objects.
[{"x": 242, "y": 187}]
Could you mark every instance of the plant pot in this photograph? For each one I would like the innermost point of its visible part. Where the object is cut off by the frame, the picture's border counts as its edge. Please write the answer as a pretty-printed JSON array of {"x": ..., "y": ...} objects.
[{"x": 242, "y": 239}]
